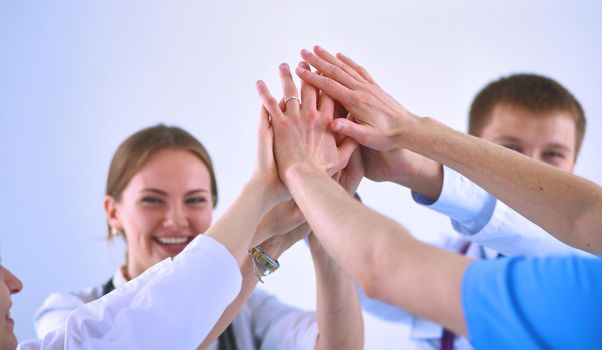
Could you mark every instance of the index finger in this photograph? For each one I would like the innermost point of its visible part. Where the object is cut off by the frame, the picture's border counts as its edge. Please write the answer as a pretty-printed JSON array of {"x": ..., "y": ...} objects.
[
  {"x": 330, "y": 70},
  {"x": 361, "y": 70},
  {"x": 327, "y": 85},
  {"x": 334, "y": 60}
]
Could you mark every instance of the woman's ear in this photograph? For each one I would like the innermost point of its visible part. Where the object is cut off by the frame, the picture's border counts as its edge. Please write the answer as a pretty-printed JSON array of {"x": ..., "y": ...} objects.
[{"x": 110, "y": 206}]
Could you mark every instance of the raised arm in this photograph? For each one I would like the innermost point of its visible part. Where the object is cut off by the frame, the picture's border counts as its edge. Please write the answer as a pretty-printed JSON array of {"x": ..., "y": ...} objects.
[
  {"x": 565, "y": 205},
  {"x": 277, "y": 230},
  {"x": 174, "y": 294},
  {"x": 376, "y": 251},
  {"x": 338, "y": 311},
  {"x": 284, "y": 217}
]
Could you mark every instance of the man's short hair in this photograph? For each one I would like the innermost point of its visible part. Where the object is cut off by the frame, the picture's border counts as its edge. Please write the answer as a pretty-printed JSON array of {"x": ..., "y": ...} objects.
[{"x": 532, "y": 92}]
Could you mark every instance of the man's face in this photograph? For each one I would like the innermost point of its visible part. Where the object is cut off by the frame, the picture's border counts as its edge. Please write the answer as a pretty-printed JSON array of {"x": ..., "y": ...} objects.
[
  {"x": 549, "y": 138},
  {"x": 9, "y": 284}
]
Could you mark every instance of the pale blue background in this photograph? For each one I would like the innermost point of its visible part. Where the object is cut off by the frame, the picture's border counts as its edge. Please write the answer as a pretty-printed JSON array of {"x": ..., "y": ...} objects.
[{"x": 77, "y": 77}]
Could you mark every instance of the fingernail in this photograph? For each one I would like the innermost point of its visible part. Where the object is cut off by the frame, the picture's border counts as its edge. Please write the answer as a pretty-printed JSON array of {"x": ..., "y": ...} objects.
[
  {"x": 318, "y": 48},
  {"x": 283, "y": 66},
  {"x": 300, "y": 70},
  {"x": 305, "y": 52},
  {"x": 336, "y": 125}
]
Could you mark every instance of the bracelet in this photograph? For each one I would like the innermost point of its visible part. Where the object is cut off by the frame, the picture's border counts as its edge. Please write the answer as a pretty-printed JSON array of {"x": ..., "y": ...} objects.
[{"x": 260, "y": 258}]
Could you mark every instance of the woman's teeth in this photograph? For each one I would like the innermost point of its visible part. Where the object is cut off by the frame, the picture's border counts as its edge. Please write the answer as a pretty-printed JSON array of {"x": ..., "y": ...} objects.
[{"x": 172, "y": 240}]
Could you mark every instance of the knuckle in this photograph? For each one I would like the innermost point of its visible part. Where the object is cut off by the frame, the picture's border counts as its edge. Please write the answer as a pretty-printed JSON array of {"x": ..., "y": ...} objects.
[
  {"x": 356, "y": 99},
  {"x": 329, "y": 84},
  {"x": 331, "y": 70},
  {"x": 338, "y": 72}
]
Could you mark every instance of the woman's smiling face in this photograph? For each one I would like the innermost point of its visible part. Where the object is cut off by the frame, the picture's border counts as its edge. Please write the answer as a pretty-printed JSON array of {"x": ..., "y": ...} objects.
[{"x": 164, "y": 206}]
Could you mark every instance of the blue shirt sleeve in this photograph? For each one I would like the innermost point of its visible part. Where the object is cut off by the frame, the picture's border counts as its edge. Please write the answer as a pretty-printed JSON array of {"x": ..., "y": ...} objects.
[{"x": 534, "y": 303}]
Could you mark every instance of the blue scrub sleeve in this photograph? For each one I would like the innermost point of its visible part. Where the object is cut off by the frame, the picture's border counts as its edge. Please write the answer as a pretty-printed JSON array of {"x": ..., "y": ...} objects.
[{"x": 550, "y": 302}]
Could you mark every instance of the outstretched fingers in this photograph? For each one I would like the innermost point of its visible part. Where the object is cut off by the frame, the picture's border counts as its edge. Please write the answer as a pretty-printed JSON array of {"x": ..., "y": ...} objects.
[
  {"x": 331, "y": 87},
  {"x": 335, "y": 61},
  {"x": 330, "y": 70},
  {"x": 356, "y": 67}
]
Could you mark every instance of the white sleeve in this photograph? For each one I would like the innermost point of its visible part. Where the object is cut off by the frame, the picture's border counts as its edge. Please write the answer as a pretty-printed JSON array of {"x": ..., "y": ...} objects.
[
  {"x": 53, "y": 312},
  {"x": 278, "y": 326},
  {"x": 172, "y": 305},
  {"x": 484, "y": 220},
  {"x": 511, "y": 234}
]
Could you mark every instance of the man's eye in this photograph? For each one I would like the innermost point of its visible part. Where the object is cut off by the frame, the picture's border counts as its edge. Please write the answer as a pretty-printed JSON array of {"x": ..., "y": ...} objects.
[
  {"x": 514, "y": 148},
  {"x": 554, "y": 154}
]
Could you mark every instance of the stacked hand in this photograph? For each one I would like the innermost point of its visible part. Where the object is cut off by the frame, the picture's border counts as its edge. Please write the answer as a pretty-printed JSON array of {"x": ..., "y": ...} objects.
[
  {"x": 341, "y": 96},
  {"x": 303, "y": 127},
  {"x": 302, "y": 130},
  {"x": 376, "y": 119}
]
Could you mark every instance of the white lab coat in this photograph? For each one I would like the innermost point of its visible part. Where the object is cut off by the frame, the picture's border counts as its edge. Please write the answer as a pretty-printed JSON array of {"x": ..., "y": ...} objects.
[
  {"x": 158, "y": 309},
  {"x": 263, "y": 323}
]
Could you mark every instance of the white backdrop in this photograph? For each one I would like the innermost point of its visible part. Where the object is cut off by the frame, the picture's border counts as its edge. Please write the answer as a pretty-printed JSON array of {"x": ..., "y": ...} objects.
[{"x": 78, "y": 77}]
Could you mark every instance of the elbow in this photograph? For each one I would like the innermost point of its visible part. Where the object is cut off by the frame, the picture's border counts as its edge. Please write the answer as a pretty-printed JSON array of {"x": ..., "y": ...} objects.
[
  {"x": 373, "y": 282},
  {"x": 372, "y": 275}
]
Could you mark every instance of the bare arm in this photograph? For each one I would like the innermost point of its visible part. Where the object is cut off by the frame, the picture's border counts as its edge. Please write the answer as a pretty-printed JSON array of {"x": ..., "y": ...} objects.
[
  {"x": 388, "y": 262},
  {"x": 565, "y": 205},
  {"x": 406, "y": 168},
  {"x": 278, "y": 229},
  {"x": 338, "y": 310},
  {"x": 338, "y": 307},
  {"x": 274, "y": 247}
]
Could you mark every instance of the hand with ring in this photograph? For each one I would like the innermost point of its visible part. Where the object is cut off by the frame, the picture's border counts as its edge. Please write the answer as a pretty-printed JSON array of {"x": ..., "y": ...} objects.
[{"x": 302, "y": 132}]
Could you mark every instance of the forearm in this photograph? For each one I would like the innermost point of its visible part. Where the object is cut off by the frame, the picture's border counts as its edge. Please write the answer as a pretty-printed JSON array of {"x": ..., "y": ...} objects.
[
  {"x": 387, "y": 261},
  {"x": 564, "y": 205},
  {"x": 338, "y": 310},
  {"x": 249, "y": 283},
  {"x": 427, "y": 180},
  {"x": 236, "y": 227},
  {"x": 273, "y": 248}
]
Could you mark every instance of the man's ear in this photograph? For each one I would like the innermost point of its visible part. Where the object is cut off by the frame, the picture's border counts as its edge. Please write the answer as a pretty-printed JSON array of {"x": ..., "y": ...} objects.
[{"x": 110, "y": 207}]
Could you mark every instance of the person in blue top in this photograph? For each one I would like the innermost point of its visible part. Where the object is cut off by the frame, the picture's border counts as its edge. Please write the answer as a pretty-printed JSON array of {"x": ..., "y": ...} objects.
[{"x": 535, "y": 302}]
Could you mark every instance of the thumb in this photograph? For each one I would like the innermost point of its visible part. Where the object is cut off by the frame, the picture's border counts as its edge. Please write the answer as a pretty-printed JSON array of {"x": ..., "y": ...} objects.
[
  {"x": 360, "y": 133},
  {"x": 265, "y": 131},
  {"x": 265, "y": 137}
]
